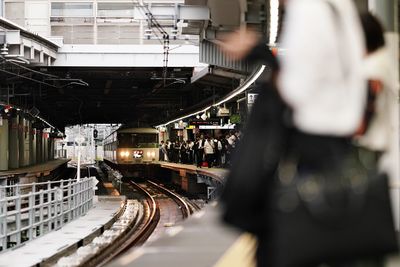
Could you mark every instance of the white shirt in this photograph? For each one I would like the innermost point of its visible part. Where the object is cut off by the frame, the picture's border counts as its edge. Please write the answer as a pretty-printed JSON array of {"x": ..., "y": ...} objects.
[
  {"x": 321, "y": 75},
  {"x": 382, "y": 133},
  {"x": 209, "y": 147}
]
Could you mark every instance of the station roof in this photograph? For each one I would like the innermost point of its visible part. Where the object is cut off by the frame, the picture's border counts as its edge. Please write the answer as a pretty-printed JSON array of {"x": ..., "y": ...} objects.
[{"x": 135, "y": 96}]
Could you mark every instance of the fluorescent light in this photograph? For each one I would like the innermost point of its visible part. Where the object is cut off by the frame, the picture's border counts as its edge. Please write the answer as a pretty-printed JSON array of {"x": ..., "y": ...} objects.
[
  {"x": 273, "y": 21},
  {"x": 236, "y": 92},
  {"x": 243, "y": 87}
]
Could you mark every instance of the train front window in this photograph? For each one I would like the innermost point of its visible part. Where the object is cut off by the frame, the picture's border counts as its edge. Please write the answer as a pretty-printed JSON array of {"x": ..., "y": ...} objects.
[{"x": 137, "y": 140}]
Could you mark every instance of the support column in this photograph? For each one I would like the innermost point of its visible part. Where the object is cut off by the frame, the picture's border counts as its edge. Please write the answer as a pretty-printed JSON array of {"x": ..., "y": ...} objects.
[
  {"x": 51, "y": 148},
  {"x": 13, "y": 143},
  {"x": 45, "y": 147},
  {"x": 38, "y": 146},
  {"x": 3, "y": 144},
  {"x": 23, "y": 139},
  {"x": 32, "y": 144},
  {"x": 387, "y": 11},
  {"x": 27, "y": 134}
]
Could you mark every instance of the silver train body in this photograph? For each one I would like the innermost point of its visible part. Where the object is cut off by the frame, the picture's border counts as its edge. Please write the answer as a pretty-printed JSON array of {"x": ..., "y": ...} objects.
[{"x": 130, "y": 149}]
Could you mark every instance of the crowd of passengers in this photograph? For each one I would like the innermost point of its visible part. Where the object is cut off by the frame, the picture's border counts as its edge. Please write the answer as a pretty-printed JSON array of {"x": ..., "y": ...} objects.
[{"x": 205, "y": 151}]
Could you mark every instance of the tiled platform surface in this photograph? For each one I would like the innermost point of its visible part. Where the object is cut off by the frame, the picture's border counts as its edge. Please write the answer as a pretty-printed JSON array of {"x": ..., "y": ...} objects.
[
  {"x": 198, "y": 242},
  {"x": 37, "y": 170},
  {"x": 43, "y": 250},
  {"x": 201, "y": 241}
]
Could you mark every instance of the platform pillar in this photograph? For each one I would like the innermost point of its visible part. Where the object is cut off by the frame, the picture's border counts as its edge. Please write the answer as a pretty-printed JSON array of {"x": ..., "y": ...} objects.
[
  {"x": 3, "y": 144},
  {"x": 13, "y": 143},
  {"x": 32, "y": 144},
  {"x": 23, "y": 140},
  {"x": 49, "y": 148},
  {"x": 38, "y": 146},
  {"x": 52, "y": 149},
  {"x": 45, "y": 147}
]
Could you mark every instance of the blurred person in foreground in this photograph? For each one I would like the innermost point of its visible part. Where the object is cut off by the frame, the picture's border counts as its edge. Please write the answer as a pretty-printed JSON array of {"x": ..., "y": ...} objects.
[
  {"x": 321, "y": 104},
  {"x": 381, "y": 118}
]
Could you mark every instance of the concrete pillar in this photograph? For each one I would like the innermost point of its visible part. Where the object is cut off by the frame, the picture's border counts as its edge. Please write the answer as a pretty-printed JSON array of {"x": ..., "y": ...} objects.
[
  {"x": 52, "y": 150},
  {"x": 23, "y": 138},
  {"x": 3, "y": 144},
  {"x": 388, "y": 13},
  {"x": 27, "y": 134},
  {"x": 32, "y": 144},
  {"x": 13, "y": 143},
  {"x": 45, "y": 147},
  {"x": 21, "y": 141},
  {"x": 38, "y": 146}
]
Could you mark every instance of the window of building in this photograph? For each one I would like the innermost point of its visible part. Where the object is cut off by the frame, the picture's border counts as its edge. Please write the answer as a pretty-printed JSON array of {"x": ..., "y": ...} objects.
[
  {"x": 115, "y": 10},
  {"x": 71, "y": 9}
]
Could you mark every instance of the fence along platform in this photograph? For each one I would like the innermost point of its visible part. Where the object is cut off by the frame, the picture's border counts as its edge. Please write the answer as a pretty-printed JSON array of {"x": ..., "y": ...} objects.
[{"x": 28, "y": 211}]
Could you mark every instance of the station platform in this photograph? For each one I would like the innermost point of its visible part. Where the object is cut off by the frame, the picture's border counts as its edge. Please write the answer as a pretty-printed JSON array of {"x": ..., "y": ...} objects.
[
  {"x": 201, "y": 241},
  {"x": 38, "y": 170},
  {"x": 45, "y": 250},
  {"x": 218, "y": 174}
]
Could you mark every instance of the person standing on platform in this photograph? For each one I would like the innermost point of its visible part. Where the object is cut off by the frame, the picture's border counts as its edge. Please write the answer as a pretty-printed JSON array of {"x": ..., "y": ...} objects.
[
  {"x": 162, "y": 151},
  {"x": 190, "y": 145},
  {"x": 183, "y": 152},
  {"x": 209, "y": 151},
  {"x": 168, "y": 147},
  {"x": 323, "y": 106},
  {"x": 380, "y": 134},
  {"x": 200, "y": 151}
]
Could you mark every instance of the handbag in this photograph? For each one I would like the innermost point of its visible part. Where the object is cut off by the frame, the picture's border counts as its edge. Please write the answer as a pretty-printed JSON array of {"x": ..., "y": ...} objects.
[{"x": 321, "y": 217}]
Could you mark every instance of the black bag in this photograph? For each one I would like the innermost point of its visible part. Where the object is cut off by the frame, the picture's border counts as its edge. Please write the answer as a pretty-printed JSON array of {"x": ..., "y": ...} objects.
[
  {"x": 254, "y": 163},
  {"x": 328, "y": 217}
]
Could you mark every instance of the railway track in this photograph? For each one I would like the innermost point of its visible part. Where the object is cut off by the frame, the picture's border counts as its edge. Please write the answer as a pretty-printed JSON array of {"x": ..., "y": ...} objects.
[{"x": 162, "y": 208}]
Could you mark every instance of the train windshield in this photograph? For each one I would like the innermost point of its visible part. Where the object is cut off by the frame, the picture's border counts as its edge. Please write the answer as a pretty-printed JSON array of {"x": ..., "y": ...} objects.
[{"x": 136, "y": 140}]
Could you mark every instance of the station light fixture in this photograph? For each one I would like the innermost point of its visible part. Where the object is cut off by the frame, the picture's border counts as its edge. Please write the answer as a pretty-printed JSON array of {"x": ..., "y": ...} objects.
[
  {"x": 274, "y": 21},
  {"x": 244, "y": 87},
  {"x": 236, "y": 92}
]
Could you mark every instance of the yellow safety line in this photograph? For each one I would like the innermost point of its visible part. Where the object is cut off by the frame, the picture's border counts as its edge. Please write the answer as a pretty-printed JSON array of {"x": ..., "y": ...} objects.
[{"x": 241, "y": 253}]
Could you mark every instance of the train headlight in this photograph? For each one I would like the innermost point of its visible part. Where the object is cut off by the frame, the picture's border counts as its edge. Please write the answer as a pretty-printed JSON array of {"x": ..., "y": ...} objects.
[
  {"x": 148, "y": 154},
  {"x": 124, "y": 154},
  {"x": 153, "y": 154}
]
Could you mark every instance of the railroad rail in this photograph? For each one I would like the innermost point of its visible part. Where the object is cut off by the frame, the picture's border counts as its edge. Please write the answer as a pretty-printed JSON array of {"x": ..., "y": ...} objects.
[{"x": 144, "y": 224}]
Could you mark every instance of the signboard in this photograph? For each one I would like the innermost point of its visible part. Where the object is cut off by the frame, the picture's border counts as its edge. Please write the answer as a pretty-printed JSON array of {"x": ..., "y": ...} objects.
[
  {"x": 217, "y": 127},
  {"x": 206, "y": 122},
  {"x": 180, "y": 126},
  {"x": 251, "y": 98}
]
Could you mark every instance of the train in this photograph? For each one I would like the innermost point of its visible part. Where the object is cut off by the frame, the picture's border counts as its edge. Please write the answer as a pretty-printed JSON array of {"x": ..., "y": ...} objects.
[{"x": 132, "y": 150}]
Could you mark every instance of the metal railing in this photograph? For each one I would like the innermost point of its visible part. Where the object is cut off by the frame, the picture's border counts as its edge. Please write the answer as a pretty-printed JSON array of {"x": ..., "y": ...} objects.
[{"x": 28, "y": 211}]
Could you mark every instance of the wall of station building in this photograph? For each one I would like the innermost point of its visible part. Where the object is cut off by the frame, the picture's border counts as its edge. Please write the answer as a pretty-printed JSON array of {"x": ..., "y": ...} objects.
[
  {"x": 22, "y": 145},
  {"x": 87, "y": 22}
]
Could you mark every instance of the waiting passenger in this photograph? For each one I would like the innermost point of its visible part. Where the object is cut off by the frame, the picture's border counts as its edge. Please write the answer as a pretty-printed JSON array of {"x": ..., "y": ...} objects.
[
  {"x": 314, "y": 221},
  {"x": 209, "y": 151}
]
